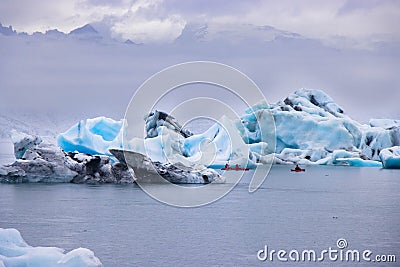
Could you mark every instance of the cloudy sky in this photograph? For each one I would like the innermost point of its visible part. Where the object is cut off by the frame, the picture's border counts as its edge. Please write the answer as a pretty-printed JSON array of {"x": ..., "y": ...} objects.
[
  {"x": 349, "y": 49},
  {"x": 158, "y": 20}
]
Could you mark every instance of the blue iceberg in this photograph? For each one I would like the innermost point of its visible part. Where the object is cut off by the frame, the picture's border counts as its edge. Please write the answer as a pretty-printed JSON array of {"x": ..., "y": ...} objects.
[
  {"x": 310, "y": 129},
  {"x": 390, "y": 157},
  {"x": 92, "y": 136}
]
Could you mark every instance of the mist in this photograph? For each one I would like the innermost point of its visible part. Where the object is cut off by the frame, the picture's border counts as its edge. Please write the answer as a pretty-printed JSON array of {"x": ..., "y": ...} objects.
[{"x": 75, "y": 78}]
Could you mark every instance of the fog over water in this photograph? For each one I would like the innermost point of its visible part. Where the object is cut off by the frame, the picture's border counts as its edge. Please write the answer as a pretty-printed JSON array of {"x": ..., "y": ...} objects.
[{"x": 72, "y": 78}]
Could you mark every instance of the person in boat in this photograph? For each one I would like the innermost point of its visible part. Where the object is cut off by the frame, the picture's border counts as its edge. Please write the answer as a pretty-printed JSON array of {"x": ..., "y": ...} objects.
[
  {"x": 237, "y": 166},
  {"x": 227, "y": 166},
  {"x": 297, "y": 168}
]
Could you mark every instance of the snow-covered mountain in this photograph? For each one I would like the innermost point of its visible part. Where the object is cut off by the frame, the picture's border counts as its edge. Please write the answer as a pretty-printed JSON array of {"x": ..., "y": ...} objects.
[
  {"x": 234, "y": 34},
  {"x": 7, "y": 30},
  {"x": 45, "y": 124},
  {"x": 86, "y": 32},
  {"x": 191, "y": 33}
]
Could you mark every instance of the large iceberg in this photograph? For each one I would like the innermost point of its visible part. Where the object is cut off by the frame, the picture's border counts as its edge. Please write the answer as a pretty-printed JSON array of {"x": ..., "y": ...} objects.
[
  {"x": 14, "y": 251},
  {"x": 310, "y": 120},
  {"x": 46, "y": 162},
  {"x": 310, "y": 129}
]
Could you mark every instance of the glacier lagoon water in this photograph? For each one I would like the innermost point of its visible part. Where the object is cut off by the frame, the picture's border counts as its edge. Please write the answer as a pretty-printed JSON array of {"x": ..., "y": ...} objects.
[{"x": 125, "y": 227}]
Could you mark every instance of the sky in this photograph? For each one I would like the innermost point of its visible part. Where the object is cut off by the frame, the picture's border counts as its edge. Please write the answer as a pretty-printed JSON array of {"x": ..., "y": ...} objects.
[
  {"x": 349, "y": 49},
  {"x": 162, "y": 21}
]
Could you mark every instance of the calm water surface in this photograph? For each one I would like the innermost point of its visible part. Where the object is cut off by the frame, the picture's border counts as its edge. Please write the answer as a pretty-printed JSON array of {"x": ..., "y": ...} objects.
[{"x": 125, "y": 227}]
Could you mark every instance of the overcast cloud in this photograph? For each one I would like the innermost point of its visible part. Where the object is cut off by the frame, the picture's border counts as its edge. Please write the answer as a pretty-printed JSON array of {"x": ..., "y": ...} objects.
[
  {"x": 81, "y": 79},
  {"x": 158, "y": 20}
]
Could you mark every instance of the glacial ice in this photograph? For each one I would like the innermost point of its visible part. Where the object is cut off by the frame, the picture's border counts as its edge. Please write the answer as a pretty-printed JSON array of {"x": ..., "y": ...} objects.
[
  {"x": 158, "y": 118},
  {"x": 14, "y": 251},
  {"x": 46, "y": 162},
  {"x": 390, "y": 157},
  {"x": 216, "y": 147},
  {"x": 384, "y": 123},
  {"x": 343, "y": 157},
  {"x": 22, "y": 142},
  {"x": 92, "y": 136},
  {"x": 310, "y": 129},
  {"x": 155, "y": 172}
]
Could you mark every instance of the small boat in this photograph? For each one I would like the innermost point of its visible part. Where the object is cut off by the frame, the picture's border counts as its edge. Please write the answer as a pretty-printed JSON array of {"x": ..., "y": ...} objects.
[
  {"x": 298, "y": 170},
  {"x": 236, "y": 168}
]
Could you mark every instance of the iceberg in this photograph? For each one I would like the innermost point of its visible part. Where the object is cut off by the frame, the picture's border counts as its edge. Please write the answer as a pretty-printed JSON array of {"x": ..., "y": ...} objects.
[
  {"x": 147, "y": 171},
  {"x": 92, "y": 136},
  {"x": 357, "y": 162},
  {"x": 14, "y": 251},
  {"x": 346, "y": 158},
  {"x": 310, "y": 129},
  {"x": 390, "y": 157},
  {"x": 220, "y": 144},
  {"x": 22, "y": 142},
  {"x": 213, "y": 148},
  {"x": 384, "y": 123},
  {"x": 158, "y": 118},
  {"x": 46, "y": 162}
]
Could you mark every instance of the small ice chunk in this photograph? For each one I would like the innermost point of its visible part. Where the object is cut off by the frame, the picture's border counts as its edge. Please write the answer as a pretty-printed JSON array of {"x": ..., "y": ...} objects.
[
  {"x": 390, "y": 157},
  {"x": 14, "y": 251}
]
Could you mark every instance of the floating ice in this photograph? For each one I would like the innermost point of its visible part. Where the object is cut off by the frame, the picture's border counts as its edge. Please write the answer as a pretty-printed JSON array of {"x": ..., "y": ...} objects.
[
  {"x": 148, "y": 171},
  {"x": 92, "y": 136},
  {"x": 22, "y": 142},
  {"x": 390, "y": 157},
  {"x": 14, "y": 251},
  {"x": 310, "y": 127},
  {"x": 220, "y": 144},
  {"x": 342, "y": 157},
  {"x": 45, "y": 162},
  {"x": 357, "y": 162},
  {"x": 384, "y": 123}
]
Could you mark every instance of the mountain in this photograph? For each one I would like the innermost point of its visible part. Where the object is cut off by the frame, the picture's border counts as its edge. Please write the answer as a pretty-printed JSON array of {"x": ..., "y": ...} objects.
[
  {"x": 7, "y": 30},
  {"x": 86, "y": 32},
  {"x": 45, "y": 124},
  {"x": 243, "y": 33},
  {"x": 193, "y": 32},
  {"x": 55, "y": 33},
  {"x": 7, "y": 124}
]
